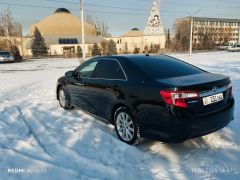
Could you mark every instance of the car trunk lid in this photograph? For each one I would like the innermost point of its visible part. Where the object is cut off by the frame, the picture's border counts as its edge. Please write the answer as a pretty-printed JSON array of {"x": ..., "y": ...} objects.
[{"x": 210, "y": 87}]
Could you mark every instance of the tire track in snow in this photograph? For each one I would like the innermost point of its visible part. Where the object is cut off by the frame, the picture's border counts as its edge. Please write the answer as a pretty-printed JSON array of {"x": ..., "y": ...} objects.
[
  {"x": 57, "y": 130},
  {"x": 61, "y": 154},
  {"x": 32, "y": 132}
]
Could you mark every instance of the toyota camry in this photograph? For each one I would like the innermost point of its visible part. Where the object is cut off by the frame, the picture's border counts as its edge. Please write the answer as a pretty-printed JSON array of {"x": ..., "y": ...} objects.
[{"x": 149, "y": 97}]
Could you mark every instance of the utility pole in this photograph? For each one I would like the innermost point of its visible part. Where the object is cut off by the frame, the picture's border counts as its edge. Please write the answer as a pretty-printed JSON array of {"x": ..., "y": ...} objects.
[
  {"x": 191, "y": 30},
  {"x": 6, "y": 19},
  {"x": 238, "y": 33},
  {"x": 21, "y": 34},
  {"x": 191, "y": 36},
  {"x": 83, "y": 33}
]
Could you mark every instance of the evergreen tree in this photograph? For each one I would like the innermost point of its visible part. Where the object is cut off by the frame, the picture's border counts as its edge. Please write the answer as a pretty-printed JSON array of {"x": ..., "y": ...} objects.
[
  {"x": 178, "y": 40},
  {"x": 126, "y": 48},
  {"x": 225, "y": 41},
  {"x": 79, "y": 52},
  {"x": 96, "y": 50},
  {"x": 205, "y": 41},
  {"x": 168, "y": 41},
  {"x": 15, "y": 52},
  {"x": 151, "y": 50},
  {"x": 104, "y": 46},
  {"x": 185, "y": 43},
  {"x": 112, "y": 48},
  {"x": 136, "y": 50},
  {"x": 156, "y": 48},
  {"x": 39, "y": 47},
  {"x": 178, "y": 35},
  {"x": 146, "y": 49}
]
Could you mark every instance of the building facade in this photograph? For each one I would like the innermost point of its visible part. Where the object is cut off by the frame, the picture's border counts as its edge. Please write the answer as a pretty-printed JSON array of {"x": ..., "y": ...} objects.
[
  {"x": 62, "y": 33},
  {"x": 221, "y": 31},
  {"x": 153, "y": 35},
  {"x": 20, "y": 42}
]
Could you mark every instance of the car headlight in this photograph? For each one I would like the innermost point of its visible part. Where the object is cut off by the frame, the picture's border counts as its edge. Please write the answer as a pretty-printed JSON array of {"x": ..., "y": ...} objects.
[{"x": 11, "y": 58}]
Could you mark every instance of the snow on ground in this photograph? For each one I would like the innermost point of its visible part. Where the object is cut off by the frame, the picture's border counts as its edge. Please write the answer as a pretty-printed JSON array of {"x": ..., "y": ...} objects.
[{"x": 46, "y": 142}]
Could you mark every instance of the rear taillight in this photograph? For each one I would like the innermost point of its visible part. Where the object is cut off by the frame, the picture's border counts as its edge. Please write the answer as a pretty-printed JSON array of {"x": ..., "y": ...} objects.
[
  {"x": 230, "y": 89},
  {"x": 178, "y": 98}
]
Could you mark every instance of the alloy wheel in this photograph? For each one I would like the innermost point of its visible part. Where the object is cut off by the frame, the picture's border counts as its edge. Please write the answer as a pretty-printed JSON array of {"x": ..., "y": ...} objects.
[
  {"x": 125, "y": 126},
  {"x": 62, "y": 98}
]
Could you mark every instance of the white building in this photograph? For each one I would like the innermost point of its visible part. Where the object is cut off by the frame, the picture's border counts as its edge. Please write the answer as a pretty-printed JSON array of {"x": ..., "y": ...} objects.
[
  {"x": 153, "y": 34},
  {"x": 222, "y": 30}
]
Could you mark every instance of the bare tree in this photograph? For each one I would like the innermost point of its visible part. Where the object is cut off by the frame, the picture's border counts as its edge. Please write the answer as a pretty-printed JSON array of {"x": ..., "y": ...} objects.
[
  {"x": 90, "y": 19},
  {"x": 182, "y": 34},
  {"x": 6, "y": 21},
  {"x": 8, "y": 26},
  {"x": 16, "y": 29},
  {"x": 101, "y": 28},
  {"x": 104, "y": 47},
  {"x": 221, "y": 34}
]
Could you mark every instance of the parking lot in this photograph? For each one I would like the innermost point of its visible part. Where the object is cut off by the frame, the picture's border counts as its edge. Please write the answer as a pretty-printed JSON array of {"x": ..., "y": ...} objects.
[{"x": 37, "y": 134}]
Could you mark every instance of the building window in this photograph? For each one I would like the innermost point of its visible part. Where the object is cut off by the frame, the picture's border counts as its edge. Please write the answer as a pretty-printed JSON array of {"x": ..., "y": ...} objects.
[{"x": 67, "y": 41}]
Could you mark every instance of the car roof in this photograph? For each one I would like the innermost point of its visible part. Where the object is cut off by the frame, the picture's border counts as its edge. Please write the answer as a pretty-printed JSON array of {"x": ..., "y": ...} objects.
[
  {"x": 131, "y": 57},
  {"x": 4, "y": 52}
]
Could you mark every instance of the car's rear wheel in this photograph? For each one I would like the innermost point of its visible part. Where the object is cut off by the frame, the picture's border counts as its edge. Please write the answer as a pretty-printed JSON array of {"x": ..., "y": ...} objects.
[
  {"x": 127, "y": 127},
  {"x": 64, "y": 99}
]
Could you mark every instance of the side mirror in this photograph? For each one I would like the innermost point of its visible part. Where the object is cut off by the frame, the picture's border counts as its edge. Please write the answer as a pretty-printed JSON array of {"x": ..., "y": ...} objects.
[{"x": 69, "y": 73}]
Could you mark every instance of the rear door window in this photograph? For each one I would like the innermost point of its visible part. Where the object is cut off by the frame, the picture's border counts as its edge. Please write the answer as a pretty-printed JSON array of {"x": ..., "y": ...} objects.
[
  {"x": 109, "y": 69},
  {"x": 161, "y": 67}
]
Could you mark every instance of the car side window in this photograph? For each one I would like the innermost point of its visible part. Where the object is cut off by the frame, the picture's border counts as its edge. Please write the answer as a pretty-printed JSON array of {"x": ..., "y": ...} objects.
[
  {"x": 86, "y": 70},
  {"x": 109, "y": 69}
]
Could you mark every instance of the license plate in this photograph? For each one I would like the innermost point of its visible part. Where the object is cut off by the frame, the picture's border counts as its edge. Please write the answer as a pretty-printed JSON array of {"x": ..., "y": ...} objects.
[{"x": 212, "y": 99}]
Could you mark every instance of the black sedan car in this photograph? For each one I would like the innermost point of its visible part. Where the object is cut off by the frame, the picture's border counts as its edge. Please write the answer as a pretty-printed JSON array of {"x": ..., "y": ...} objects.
[{"x": 153, "y": 97}]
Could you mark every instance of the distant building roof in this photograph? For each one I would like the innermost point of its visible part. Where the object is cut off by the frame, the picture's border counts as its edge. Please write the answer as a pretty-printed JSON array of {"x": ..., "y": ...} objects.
[
  {"x": 62, "y": 10},
  {"x": 211, "y": 19},
  {"x": 135, "y": 32},
  {"x": 62, "y": 22}
]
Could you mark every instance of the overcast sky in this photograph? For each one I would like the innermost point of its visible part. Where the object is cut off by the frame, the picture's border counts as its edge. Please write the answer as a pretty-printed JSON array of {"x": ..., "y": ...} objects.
[{"x": 121, "y": 20}]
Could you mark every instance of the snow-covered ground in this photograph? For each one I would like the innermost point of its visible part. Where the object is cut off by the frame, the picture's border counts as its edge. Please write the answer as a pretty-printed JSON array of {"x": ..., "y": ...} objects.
[{"x": 46, "y": 142}]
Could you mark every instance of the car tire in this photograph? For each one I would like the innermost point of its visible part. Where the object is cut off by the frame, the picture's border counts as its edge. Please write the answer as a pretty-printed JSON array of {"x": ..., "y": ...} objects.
[
  {"x": 64, "y": 99},
  {"x": 127, "y": 127}
]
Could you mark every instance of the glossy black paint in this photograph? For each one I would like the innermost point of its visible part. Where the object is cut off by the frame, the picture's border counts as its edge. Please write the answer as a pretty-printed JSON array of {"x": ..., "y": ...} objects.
[{"x": 141, "y": 94}]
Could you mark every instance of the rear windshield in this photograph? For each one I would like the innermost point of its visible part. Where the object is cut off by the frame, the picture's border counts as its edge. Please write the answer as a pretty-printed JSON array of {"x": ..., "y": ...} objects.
[
  {"x": 5, "y": 53},
  {"x": 161, "y": 67}
]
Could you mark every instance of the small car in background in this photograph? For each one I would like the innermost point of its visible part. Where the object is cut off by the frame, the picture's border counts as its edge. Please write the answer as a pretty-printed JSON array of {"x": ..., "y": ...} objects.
[
  {"x": 6, "y": 56},
  {"x": 235, "y": 48},
  {"x": 225, "y": 47}
]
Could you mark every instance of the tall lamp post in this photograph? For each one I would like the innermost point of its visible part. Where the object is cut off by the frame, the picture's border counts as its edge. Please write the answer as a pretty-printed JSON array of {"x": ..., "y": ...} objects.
[
  {"x": 238, "y": 33},
  {"x": 191, "y": 31},
  {"x": 6, "y": 21},
  {"x": 83, "y": 33}
]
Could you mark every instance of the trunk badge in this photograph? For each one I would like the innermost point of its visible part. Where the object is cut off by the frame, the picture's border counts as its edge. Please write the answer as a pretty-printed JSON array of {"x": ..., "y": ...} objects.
[{"x": 215, "y": 89}]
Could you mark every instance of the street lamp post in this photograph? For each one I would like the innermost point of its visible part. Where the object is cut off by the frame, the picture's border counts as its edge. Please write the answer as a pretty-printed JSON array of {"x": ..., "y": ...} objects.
[
  {"x": 191, "y": 36},
  {"x": 6, "y": 19},
  {"x": 83, "y": 33},
  {"x": 191, "y": 30},
  {"x": 238, "y": 33}
]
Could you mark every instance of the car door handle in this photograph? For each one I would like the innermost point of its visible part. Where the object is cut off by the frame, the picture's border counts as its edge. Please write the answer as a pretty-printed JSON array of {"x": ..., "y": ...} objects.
[{"x": 79, "y": 84}]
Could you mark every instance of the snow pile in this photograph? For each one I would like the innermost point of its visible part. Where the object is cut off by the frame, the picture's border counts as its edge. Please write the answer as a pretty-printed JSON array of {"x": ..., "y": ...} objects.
[{"x": 39, "y": 140}]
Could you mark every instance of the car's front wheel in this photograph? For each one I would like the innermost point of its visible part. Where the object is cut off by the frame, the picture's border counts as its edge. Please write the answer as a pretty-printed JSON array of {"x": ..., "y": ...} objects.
[
  {"x": 64, "y": 99},
  {"x": 127, "y": 127}
]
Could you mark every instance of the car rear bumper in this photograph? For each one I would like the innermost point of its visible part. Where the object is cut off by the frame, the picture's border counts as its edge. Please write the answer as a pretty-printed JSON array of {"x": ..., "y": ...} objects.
[{"x": 168, "y": 126}]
